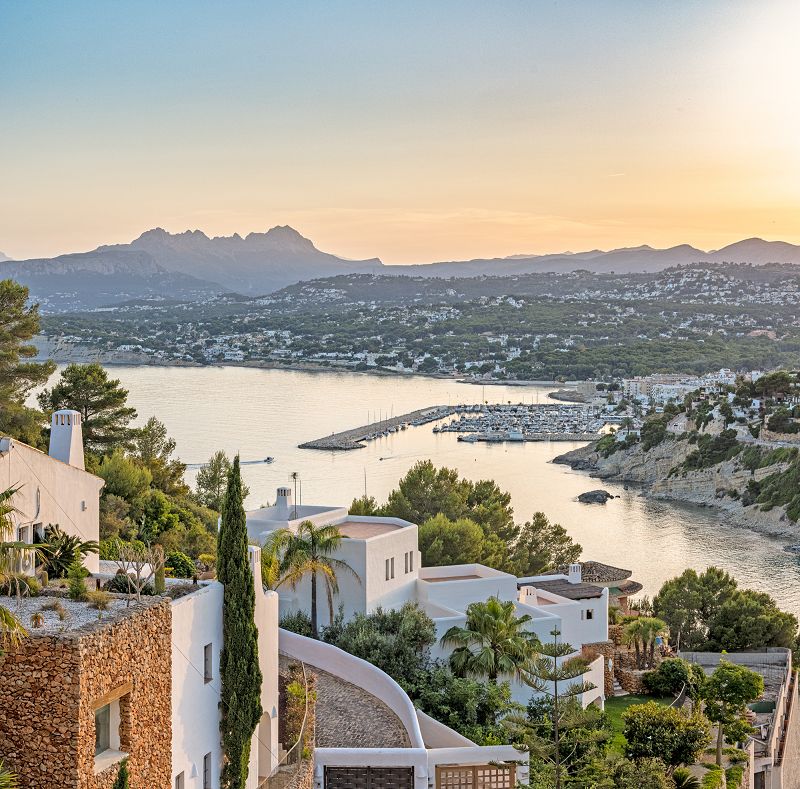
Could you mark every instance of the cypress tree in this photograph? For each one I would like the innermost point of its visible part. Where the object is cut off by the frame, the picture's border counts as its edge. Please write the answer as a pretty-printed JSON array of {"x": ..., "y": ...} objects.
[
  {"x": 239, "y": 669},
  {"x": 122, "y": 777}
]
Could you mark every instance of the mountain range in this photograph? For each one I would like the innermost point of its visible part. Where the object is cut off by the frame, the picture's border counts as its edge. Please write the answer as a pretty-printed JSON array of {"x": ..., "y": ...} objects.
[{"x": 191, "y": 266}]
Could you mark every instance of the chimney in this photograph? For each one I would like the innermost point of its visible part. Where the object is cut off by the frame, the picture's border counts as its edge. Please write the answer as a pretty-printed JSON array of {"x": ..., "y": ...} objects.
[
  {"x": 66, "y": 438},
  {"x": 283, "y": 504},
  {"x": 575, "y": 573}
]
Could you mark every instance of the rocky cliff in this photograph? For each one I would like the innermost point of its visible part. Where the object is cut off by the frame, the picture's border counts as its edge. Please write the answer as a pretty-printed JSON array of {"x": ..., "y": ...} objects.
[{"x": 719, "y": 487}]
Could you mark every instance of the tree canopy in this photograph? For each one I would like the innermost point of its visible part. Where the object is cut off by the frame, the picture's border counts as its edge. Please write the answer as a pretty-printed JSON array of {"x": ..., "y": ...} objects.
[
  {"x": 19, "y": 322},
  {"x": 101, "y": 401}
]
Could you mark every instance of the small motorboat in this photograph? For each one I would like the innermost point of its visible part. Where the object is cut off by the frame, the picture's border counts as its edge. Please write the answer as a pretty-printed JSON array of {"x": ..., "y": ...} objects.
[{"x": 269, "y": 459}]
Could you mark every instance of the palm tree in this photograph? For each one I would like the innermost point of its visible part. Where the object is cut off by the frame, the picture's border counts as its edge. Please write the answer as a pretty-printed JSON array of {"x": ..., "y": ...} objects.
[
  {"x": 493, "y": 641},
  {"x": 11, "y": 630},
  {"x": 642, "y": 633},
  {"x": 309, "y": 551}
]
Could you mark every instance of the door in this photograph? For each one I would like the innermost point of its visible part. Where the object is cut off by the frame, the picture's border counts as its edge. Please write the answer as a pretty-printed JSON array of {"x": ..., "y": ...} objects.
[{"x": 369, "y": 778}]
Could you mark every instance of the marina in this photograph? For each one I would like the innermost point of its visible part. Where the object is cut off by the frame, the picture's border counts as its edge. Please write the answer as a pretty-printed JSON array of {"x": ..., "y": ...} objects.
[
  {"x": 480, "y": 422},
  {"x": 525, "y": 422}
]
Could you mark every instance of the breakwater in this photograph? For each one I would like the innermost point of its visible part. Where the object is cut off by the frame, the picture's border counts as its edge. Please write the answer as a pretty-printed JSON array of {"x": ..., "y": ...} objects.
[{"x": 355, "y": 438}]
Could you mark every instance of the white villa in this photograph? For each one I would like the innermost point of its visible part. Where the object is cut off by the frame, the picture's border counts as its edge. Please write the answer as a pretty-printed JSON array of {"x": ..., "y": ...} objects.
[{"x": 384, "y": 553}]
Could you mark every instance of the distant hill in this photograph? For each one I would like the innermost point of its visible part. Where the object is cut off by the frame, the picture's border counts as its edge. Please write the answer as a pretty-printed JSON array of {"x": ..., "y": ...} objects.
[
  {"x": 87, "y": 280},
  {"x": 190, "y": 265},
  {"x": 620, "y": 261}
]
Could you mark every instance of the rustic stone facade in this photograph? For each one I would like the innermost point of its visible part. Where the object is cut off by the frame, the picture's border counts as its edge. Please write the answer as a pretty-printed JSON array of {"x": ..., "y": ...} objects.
[
  {"x": 631, "y": 681},
  {"x": 51, "y": 685},
  {"x": 606, "y": 649}
]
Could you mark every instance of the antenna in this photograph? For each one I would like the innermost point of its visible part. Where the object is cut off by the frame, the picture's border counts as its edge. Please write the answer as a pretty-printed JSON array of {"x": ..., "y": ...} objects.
[{"x": 294, "y": 476}]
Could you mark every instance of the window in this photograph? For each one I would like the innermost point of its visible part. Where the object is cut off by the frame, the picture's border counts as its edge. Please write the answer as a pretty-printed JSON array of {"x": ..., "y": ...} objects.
[
  {"x": 207, "y": 771},
  {"x": 392, "y": 565},
  {"x": 102, "y": 729},
  {"x": 410, "y": 562},
  {"x": 587, "y": 614},
  {"x": 405, "y": 559},
  {"x": 208, "y": 664},
  {"x": 179, "y": 782}
]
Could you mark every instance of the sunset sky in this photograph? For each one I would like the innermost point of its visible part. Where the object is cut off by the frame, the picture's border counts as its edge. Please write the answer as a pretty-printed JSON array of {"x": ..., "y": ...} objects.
[{"x": 411, "y": 131}]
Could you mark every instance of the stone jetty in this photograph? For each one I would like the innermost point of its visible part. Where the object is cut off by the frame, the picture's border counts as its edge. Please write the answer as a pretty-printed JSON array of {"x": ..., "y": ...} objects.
[{"x": 355, "y": 438}]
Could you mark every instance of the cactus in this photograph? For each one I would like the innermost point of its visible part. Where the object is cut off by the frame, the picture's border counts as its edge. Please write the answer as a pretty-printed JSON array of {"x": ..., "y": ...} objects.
[{"x": 160, "y": 583}]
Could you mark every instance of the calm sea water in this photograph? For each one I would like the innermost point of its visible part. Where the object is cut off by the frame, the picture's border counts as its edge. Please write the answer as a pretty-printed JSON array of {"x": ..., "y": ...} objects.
[{"x": 269, "y": 412}]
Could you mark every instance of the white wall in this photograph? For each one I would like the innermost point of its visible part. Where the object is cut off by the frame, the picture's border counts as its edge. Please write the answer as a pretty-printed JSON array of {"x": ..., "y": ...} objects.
[
  {"x": 52, "y": 492},
  {"x": 196, "y": 621},
  {"x": 370, "y": 589},
  {"x": 264, "y": 747}
]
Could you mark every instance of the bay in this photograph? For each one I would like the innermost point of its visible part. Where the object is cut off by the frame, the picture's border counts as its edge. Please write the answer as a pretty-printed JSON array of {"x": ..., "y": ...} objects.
[{"x": 261, "y": 413}]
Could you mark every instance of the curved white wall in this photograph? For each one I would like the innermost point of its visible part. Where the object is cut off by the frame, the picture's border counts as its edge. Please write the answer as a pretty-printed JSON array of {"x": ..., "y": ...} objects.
[{"x": 358, "y": 672}]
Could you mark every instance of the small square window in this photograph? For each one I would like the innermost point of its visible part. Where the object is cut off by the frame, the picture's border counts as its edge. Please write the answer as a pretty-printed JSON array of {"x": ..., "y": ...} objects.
[
  {"x": 208, "y": 663},
  {"x": 590, "y": 613},
  {"x": 179, "y": 782}
]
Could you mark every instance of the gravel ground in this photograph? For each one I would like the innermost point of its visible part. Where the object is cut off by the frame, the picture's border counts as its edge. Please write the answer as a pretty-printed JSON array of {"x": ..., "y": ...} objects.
[{"x": 78, "y": 614}]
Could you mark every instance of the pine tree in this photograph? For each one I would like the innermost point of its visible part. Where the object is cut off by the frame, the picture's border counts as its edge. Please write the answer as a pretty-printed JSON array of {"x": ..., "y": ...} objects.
[
  {"x": 547, "y": 675},
  {"x": 239, "y": 669},
  {"x": 122, "y": 777},
  {"x": 19, "y": 322}
]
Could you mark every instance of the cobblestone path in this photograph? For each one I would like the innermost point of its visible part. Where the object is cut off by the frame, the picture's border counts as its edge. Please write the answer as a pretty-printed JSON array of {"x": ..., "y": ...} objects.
[{"x": 349, "y": 717}]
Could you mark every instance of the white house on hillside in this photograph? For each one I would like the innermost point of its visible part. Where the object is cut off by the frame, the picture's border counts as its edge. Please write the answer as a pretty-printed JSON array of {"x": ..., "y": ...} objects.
[
  {"x": 384, "y": 552},
  {"x": 53, "y": 488}
]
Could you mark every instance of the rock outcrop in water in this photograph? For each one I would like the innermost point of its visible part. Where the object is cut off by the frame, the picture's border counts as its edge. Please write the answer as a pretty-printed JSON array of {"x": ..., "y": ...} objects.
[{"x": 595, "y": 497}]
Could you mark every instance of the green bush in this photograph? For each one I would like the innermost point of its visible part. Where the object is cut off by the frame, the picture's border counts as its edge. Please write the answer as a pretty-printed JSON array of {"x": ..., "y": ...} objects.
[
  {"x": 120, "y": 584},
  {"x": 734, "y": 775},
  {"x": 299, "y": 622},
  {"x": 714, "y": 779},
  {"x": 181, "y": 565},
  {"x": 76, "y": 586},
  {"x": 668, "y": 679},
  {"x": 19, "y": 584}
]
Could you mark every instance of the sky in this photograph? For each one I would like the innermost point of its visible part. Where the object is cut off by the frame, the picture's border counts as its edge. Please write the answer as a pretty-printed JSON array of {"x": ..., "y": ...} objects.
[{"x": 410, "y": 131}]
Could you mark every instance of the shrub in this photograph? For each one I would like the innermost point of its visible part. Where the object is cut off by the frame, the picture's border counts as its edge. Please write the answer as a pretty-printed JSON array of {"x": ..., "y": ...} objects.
[
  {"x": 19, "y": 584},
  {"x": 683, "y": 779},
  {"x": 121, "y": 585},
  {"x": 299, "y": 622},
  {"x": 733, "y": 776},
  {"x": 99, "y": 600},
  {"x": 76, "y": 587},
  {"x": 60, "y": 550},
  {"x": 180, "y": 564},
  {"x": 57, "y": 606},
  {"x": 668, "y": 679},
  {"x": 37, "y": 619},
  {"x": 714, "y": 779}
]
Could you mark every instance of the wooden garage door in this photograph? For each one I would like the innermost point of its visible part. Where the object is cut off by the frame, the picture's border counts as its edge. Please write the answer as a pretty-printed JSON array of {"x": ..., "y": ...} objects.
[
  {"x": 479, "y": 776},
  {"x": 369, "y": 778}
]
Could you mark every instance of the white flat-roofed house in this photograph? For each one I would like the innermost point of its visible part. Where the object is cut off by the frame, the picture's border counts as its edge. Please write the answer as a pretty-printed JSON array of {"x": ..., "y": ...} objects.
[
  {"x": 54, "y": 487},
  {"x": 384, "y": 553}
]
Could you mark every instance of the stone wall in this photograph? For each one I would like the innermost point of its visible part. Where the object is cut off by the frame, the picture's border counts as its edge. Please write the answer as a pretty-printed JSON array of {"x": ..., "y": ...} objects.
[
  {"x": 51, "y": 685},
  {"x": 631, "y": 680},
  {"x": 606, "y": 649}
]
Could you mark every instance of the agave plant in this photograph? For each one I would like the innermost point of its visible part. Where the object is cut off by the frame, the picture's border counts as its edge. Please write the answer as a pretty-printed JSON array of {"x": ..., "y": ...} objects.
[
  {"x": 60, "y": 551},
  {"x": 8, "y": 780},
  {"x": 683, "y": 779}
]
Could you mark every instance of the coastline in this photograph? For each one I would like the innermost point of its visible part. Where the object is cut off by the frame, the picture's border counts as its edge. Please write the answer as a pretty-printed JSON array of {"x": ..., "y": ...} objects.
[
  {"x": 68, "y": 353},
  {"x": 707, "y": 488}
]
